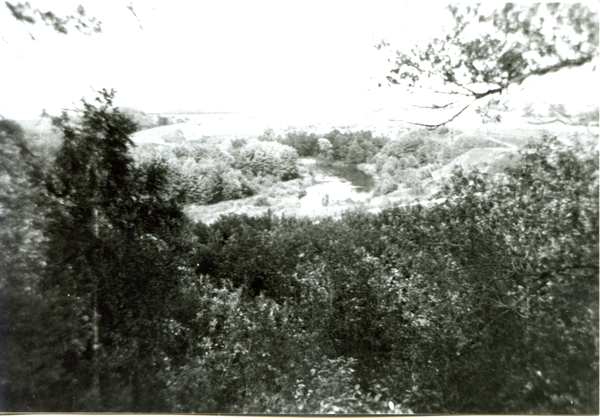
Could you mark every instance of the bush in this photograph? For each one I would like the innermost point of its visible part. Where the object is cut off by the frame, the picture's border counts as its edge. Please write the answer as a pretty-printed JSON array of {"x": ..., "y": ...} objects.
[
  {"x": 197, "y": 174},
  {"x": 390, "y": 166},
  {"x": 141, "y": 119},
  {"x": 354, "y": 147},
  {"x": 266, "y": 158},
  {"x": 408, "y": 161},
  {"x": 162, "y": 121},
  {"x": 386, "y": 186},
  {"x": 304, "y": 143},
  {"x": 407, "y": 143},
  {"x": 210, "y": 183},
  {"x": 410, "y": 177},
  {"x": 261, "y": 201},
  {"x": 421, "y": 144},
  {"x": 590, "y": 117},
  {"x": 355, "y": 154},
  {"x": 269, "y": 135},
  {"x": 325, "y": 148},
  {"x": 443, "y": 131},
  {"x": 239, "y": 143}
]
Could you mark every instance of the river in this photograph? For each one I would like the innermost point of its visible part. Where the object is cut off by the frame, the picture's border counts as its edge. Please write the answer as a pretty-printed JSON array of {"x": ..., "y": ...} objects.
[{"x": 335, "y": 185}]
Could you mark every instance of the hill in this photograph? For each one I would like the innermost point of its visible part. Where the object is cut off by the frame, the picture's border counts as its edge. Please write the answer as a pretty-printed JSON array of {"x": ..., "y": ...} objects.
[{"x": 489, "y": 160}]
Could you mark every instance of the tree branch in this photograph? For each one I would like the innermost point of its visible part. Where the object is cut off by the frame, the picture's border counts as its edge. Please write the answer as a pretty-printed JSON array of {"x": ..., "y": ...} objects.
[
  {"x": 434, "y": 126},
  {"x": 435, "y": 106},
  {"x": 453, "y": 92},
  {"x": 548, "y": 122},
  {"x": 554, "y": 68},
  {"x": 489, "y": 92},
  {"x": 130, "y": 7}
]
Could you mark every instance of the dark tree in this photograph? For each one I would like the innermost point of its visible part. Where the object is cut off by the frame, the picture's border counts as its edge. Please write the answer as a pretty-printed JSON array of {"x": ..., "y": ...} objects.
[
  {"x": 28, "y": 361},
  {"x": 110, "y": 253}
]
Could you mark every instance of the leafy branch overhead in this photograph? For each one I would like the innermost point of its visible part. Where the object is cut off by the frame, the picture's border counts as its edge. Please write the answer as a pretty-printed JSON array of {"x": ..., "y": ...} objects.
[
  {"x": 23, "y": 12},
  {"x": 488, "y": 51}
]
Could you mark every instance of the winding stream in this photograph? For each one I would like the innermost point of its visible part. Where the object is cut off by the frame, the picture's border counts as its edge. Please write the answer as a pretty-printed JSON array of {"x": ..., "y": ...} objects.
[{"x": 334, "y": 185}]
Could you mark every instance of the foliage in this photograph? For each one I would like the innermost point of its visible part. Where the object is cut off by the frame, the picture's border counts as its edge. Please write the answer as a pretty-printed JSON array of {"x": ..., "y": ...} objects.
[
  {"x": 268, "y": 158},
  {"x": 23, "y": 12},
  {"x": 210, "y": 183},
  {"x": 475, "y": 298},
  {"x": 354, "y": 147},
  {"x": 269, "y": 135},
  {"x": 261, "y": 201},
  {"x": 28, "y": 353},
  {"x": 144, "y": 121},
  {"x": 386, "y": 186},
  {"x": 197, "y": 174},
  {"x": 409, "y": 158},
  {"x": 109, "y": 233},
  {"x": 484, "y": 304},
  {"x": 590, "y": 117},
  {"x": 520, "y": 41},
  {"x": 257, "y": 356},
  {"x": 324, "y": 148},
  {"x": 202, "y": 174},
  {"x": 350, "y": 147},
  {"x": 304, "y": 143},
  {"x": 422, "y": 145}
]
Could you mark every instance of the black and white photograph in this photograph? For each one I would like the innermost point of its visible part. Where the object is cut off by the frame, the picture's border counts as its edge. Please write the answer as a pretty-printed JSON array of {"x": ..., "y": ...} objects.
[{"x": 299, "y": 208}]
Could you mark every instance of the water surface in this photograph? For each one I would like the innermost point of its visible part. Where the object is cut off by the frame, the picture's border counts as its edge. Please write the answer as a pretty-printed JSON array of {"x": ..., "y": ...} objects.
[{"x": 335, "y": 185}]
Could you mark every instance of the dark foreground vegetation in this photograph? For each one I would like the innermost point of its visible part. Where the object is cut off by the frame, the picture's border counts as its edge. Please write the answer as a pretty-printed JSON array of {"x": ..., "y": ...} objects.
[{"x": 112, "y": 301}]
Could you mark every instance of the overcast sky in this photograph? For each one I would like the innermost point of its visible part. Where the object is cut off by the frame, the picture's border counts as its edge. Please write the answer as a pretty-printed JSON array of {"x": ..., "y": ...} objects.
[{"x": 250, "y": 56}]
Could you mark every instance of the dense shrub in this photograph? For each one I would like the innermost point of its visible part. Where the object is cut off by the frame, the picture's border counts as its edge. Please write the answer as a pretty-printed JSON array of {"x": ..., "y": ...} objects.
[
  {"x": 385, "y": 186},
  {"x": 198, "y": 174},
  {"x": 354, "y": 147},
  {"x": 257, "y": 356},
  {"x": 268, "y": 158},
  {"x": 486, "y": 303},
  {"x": 409, "y": 158},
  {"x": 269, "y": 135},
  {"x": 304, "y": 143},
  {"x": 477, "y": 296},
  {"x": 426, "y": 146},
  {"x": 261, "y": 201},
  {"x": 209, "y": 183},
  {"x": 350, "y": 147}
]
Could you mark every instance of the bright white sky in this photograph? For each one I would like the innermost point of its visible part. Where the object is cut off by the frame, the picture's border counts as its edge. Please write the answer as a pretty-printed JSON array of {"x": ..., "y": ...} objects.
[{"x": 251, "y": 56}]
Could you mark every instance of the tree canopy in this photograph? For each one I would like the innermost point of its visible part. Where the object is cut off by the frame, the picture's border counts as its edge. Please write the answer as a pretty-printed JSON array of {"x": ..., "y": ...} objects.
[
  {"x": 487, "y": 51},
  {"x": 113, "y": 301},
  {"x": 25, "y": 13}
]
